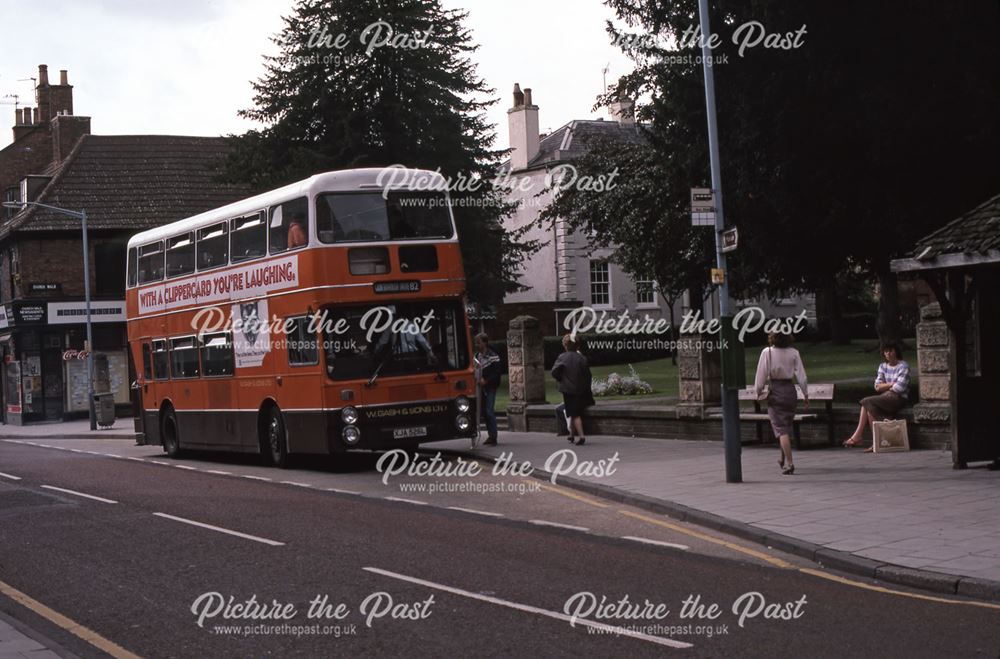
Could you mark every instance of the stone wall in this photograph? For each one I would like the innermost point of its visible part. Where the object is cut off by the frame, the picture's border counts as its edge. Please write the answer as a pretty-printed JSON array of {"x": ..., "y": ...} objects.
[
  {"x": 526, "y": 369},
  {"x": 700, "y": 374},
  {"x": 933, "y": 357}
]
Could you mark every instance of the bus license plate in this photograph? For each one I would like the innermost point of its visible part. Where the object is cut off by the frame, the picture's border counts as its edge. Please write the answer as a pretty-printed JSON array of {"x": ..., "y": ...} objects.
[{"x": 403, "y": 433}]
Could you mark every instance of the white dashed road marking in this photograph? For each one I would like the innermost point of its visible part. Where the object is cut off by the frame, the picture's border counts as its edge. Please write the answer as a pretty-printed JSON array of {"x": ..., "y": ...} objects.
[
  {"x": 247, "y": 536},
  {"x": 79, "y": 494},
  {"x": 542, "y": 522},
  {"x": 610, "y": 629},
  {"x": 658, "y": 543}
]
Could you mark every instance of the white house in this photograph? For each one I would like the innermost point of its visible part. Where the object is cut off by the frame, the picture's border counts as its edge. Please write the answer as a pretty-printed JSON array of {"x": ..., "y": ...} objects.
[{"x": 567, "y": 272}]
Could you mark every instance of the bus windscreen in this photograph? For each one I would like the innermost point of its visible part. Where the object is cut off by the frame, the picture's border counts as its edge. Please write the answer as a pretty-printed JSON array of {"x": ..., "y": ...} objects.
[
  {"x": 370, "y": 217},
  {"x": 394, "y": 339}
]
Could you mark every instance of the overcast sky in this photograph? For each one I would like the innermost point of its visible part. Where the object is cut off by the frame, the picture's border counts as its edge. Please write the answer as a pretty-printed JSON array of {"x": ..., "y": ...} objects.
[{"x": 183, "y": 66}]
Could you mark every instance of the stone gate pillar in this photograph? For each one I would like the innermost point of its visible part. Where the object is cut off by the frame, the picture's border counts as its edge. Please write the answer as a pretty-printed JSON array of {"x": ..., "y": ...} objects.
[
  {"x": 700, "y": 372},
  {"x": 933, "y": 352},
  {"x": 526, "y": 369}
]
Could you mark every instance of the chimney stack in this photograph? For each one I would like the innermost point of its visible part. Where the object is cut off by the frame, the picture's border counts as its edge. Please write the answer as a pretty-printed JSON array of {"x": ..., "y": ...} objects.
[
  {"x": 63, "y": 77},
  {"x": 43, "y": 75},
  {"x": 623, "y": 111},
  {"x": 522, "y": 123}
]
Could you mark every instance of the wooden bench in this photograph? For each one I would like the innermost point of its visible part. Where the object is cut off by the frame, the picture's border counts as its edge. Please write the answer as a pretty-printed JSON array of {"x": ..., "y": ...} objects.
[{"x": 817, "y": 393}]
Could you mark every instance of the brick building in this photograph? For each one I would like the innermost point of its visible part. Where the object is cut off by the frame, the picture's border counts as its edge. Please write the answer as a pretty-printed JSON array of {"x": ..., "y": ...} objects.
[{"x": 125, "y": 184}]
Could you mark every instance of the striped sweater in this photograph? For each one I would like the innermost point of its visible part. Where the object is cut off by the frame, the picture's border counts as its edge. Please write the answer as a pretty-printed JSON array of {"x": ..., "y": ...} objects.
[{"x": 898, "y": 375}]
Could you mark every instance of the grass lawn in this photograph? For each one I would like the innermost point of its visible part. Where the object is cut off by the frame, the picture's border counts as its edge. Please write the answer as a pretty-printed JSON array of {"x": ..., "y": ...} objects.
[{"x": 824, "y": 362}]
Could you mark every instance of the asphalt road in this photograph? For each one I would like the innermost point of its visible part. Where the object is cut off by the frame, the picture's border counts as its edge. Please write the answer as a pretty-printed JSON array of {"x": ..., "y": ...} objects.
[{"x": 489, "y": 571}]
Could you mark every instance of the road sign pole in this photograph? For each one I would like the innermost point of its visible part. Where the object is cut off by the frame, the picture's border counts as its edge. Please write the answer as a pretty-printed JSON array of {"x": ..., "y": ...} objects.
[{"x": 730, "y": 396}]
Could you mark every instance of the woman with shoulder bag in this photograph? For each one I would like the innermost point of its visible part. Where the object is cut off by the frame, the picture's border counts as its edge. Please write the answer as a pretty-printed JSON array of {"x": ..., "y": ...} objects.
[{"x": 778, "y": 363}]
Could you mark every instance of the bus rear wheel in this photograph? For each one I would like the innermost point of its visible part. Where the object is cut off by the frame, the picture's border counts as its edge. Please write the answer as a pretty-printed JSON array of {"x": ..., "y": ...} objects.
[
  {"x": 169, "y": 434},
  {"x": 275, "y": 439}
]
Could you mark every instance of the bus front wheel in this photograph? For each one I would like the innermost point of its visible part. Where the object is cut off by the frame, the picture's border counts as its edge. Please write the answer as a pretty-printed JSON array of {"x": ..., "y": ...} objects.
[
  {"x": 169, "y": 434},
  {"x": 275, "y": 440}
]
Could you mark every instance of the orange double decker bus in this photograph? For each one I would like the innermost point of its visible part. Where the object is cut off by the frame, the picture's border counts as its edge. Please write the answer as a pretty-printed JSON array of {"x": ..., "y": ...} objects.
[{"x": 325, "y": 316}]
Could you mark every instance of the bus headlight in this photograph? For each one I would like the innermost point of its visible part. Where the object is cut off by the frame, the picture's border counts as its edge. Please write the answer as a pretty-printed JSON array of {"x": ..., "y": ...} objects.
[
  {"x": 351, "y": 435},
  {"x": 463, "y": 404},
  {"x": 349, "y": 415},
  {"x": 463, "y": 423}
]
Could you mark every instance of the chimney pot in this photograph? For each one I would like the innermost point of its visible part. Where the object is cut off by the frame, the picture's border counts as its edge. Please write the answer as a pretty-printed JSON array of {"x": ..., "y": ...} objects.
[
  {"x": 26, "y": 116},
  {"x": 37, "y": 119},
  {"x": 63, "y": 77},
  {"x": 17, "y": 116},
  {"x": 518, "y": 96},
  {"x": 43, "y": 75},
  {"x": 522, "y": 122}
]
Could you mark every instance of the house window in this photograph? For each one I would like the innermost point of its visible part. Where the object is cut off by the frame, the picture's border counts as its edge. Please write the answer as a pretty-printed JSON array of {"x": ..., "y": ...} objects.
[
  {"x": 645, "y": 292},
  {"x": 10, "y": 195},
  {"x": 109, "y": 269},
  {"x": 600, "y": 283}
]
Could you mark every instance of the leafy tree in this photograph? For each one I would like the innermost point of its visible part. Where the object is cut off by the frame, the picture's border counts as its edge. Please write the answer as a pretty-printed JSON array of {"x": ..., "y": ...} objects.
[
  {"x": 333, "y": 99},
  {"x": 835, "y": 155}
]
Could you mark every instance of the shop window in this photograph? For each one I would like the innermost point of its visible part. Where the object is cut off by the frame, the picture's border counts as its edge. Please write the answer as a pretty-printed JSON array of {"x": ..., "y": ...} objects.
[{"x": 217, "y": 354}]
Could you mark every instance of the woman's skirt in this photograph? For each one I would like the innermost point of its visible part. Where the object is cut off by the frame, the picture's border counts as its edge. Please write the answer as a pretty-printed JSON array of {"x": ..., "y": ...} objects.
[
  {"x": 781, "y": 403},
  {"x": 577, "y": 403},
  {"x": 885, "y": 405}
]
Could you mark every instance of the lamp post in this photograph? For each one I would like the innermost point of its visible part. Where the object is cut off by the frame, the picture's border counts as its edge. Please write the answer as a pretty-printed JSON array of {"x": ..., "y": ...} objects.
[
  {"x": 730, "y": 397},
  {"x": 82, "y": 216}
]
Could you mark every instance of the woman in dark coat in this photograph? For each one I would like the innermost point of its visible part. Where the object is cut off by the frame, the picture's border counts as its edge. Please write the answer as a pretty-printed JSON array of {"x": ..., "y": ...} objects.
[{"x": 572, "y": 372}]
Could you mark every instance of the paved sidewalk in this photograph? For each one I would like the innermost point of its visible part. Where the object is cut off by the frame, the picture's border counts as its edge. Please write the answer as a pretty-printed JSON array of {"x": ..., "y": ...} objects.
[
  {"x": 16, "y": 645},
  {"x": 848, "y": 509},
  {"x": 123, "y": 428}
]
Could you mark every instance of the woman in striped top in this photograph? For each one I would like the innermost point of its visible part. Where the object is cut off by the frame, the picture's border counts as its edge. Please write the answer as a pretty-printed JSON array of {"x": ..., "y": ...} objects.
[{"x": 892, "y": 384}]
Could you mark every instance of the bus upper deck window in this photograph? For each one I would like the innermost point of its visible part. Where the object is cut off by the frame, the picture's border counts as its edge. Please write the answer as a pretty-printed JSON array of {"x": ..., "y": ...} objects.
[
  {"x": 151, "y": 262},
  {"x": 132, "y": 267},
  {"x": 374, "y": 216},
  {"x": 289, "y": 225},
  {"x": 248, "y": 237},
  {"x": 213, "y": 246},
  {"x": 180, "y": 255}
]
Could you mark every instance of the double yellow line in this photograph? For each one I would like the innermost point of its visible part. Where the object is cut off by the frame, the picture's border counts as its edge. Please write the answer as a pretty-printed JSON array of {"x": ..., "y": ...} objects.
[
  {"x": 63, "y": 622},
  {"x": 766, "y": 557}
]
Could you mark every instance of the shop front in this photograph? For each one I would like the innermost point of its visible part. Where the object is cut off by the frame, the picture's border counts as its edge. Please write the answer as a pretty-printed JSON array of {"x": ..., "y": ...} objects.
[{"x": 43, "y": 344}]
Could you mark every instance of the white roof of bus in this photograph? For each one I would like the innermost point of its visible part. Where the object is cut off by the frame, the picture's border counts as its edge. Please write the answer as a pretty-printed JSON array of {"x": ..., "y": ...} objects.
[{"x": 348, "y": 180}]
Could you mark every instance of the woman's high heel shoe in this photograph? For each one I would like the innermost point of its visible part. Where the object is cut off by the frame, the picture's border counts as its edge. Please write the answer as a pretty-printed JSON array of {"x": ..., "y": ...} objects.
[{"x": 789, "y": 470}]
